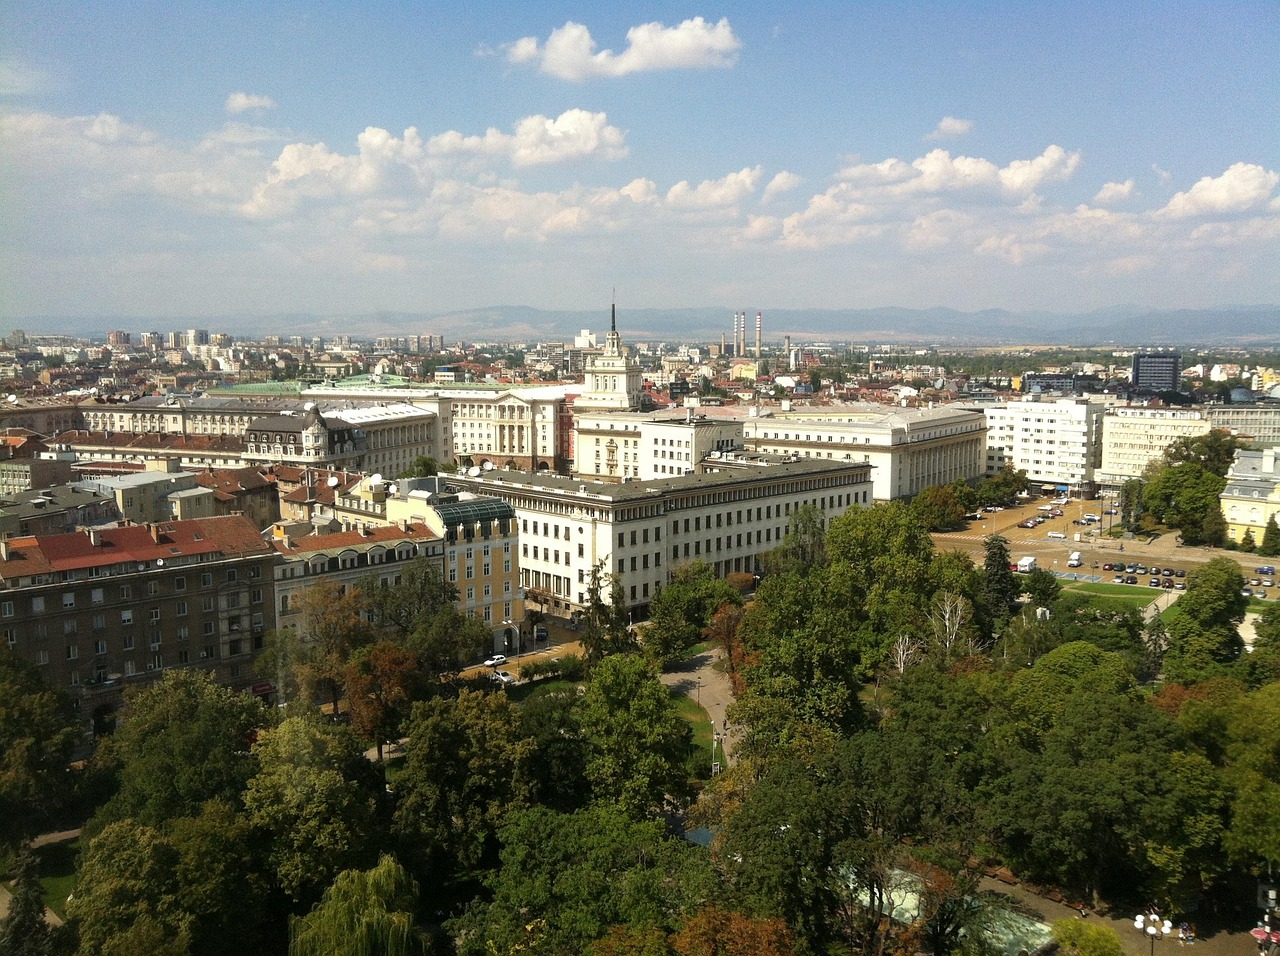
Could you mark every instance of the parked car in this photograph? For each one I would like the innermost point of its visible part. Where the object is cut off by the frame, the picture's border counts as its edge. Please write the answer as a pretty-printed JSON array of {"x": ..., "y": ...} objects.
[
  {"x": 540, "y": 633},
  {"x": 1057, "y": 512},
  {"x": 1059, "y": 535},
  {"x": 1268, "y": 582},
  {"x": 1167, "y": 572},
  {"x": 1110, "y": 511},
  {"x": 1260, "y": 594},
  {"x": 1266, "y": 569},
  {"x": 1108, "y": 566},
  {"x": 1153, "y": 583},
  {"x": 496, "y": 660},
  {"x": 1167, "y": 584},
  {"x": 1155, "y": 570},
  {"x": 1180, "y": 573},
  {"x": 503, "y": 677},
  {"x": 1247, "y": 592},
  {"x": 1029, "y": 523},
  {"x": 1118, "y": 579},
  {"x": 1131, "y": 579},
  {"x": 1179, "y": 586}
]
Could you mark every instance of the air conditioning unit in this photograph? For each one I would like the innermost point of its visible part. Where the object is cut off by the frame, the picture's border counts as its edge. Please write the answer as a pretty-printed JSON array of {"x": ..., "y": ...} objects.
[
  {"x": 151, "y": 667},
  {"x": 155, "y": 646},
  {"x": 204, "y": 654}
]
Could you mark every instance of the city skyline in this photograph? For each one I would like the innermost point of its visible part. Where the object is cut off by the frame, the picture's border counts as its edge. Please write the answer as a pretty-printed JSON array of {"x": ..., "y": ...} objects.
[{"x": 201, "y": 161}]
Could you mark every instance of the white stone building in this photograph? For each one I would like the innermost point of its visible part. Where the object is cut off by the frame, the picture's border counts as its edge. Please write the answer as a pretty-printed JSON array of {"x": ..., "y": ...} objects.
[
  {"x": 908, "y": 448},
  {"x": 1134, "y": 436},
  {"x": 1058, "y": 444},
  {"x": 639, "y": 530}
]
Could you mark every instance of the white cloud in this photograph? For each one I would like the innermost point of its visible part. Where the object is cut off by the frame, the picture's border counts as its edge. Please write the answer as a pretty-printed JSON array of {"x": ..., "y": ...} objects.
[
  {"x": 1242, "y": 187},
  {"x": 714, "y": 193},
  {"x": 1114, "y": 192},
  {"x": 20, "y": 79},
  {"x": 949, "y": 128},
  {"x": 1163, "y": 175},
  {"x": 938, "y": 172},
  {"x": 537, "y": 140},
  {"x": 243, "y": 102},
  {"x": 570, "y": 52},
  {"x": 783, "y": 182}
]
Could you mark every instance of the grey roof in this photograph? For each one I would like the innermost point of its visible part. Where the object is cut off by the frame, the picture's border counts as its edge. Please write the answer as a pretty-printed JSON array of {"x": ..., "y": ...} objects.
[{"x": 471, "y": 511}]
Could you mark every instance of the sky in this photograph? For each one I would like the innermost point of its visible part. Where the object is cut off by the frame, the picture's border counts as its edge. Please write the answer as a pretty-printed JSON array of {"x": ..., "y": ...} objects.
[{"x": 188, "y": 160}]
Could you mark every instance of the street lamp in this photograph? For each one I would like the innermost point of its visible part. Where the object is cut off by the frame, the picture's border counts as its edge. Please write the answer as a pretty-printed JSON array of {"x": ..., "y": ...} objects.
[
  {"x": 715, "y": 739},
  {"x": 513, "y": 626},
  {"x": 1153, "y": 926}
]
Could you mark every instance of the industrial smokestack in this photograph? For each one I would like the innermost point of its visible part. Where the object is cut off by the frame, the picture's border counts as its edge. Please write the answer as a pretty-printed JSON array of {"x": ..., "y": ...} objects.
[
  {"x": 722, "y": 351},
  {"x": 786, "y": 347},
  {"x": 759, "y": 327}
]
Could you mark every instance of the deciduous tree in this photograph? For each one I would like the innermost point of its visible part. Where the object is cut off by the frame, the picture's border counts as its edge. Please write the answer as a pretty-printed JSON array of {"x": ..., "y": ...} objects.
[
  {"x": 313, "y": 797},
  {"x": 637, "y": 744},
  {"x": 364, "y": 912}
]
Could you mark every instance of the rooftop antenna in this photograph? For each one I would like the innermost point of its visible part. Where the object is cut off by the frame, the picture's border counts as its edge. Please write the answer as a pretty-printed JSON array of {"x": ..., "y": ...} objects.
[{"x": 613, "y": 313}]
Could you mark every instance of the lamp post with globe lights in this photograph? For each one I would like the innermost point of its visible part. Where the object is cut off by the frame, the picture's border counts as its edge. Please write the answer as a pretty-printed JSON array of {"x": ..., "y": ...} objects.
[{"x": 1153, "y": 926}]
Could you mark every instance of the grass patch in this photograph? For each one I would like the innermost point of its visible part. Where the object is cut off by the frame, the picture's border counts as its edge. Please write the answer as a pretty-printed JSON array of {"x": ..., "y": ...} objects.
[
  {"x": 1114, "y": 597},
  {"x": 58, "y": 873},
  {"x": 692, "y": 713},
  {"x": 1257, "y": 606},
  {"x": 1171, "y": 614},
  {"x": 522, "y": 692},
  {"x": 702, "y": 648}
]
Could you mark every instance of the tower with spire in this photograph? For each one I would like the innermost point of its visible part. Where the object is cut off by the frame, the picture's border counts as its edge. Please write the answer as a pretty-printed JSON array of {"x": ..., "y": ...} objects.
[{"x": 613, "y": 379}]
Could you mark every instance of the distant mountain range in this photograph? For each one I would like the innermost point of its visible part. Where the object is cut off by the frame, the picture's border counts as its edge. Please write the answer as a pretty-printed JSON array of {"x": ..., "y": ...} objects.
[{"x": 1244, "y": 325}]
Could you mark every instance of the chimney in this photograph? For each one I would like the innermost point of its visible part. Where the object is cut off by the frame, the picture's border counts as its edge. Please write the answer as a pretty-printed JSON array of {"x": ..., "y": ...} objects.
[
  {"x": 759, "y": 328},
  {"x": 153, "y": 529},
  {"x": 4, "y": 549},
  {"x": 95, "y": 537}
]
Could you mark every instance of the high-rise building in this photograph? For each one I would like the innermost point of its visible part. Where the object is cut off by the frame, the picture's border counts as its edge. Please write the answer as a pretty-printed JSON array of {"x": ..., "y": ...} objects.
[{"x": 1156, "y": 371}]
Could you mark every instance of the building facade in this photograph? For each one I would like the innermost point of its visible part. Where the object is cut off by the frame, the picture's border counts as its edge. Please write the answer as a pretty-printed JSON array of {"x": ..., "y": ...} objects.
[
  {"x": 1058, "y": 444},
  {"x": 1252, "y": 495},
  {"x": 1156, "y": 371},
  {"x": 640, "y": 530},
  {"x": 1135, "y": 436},
  {"x": 100, "y": 610},
  {"x": 908, "y": 448}
]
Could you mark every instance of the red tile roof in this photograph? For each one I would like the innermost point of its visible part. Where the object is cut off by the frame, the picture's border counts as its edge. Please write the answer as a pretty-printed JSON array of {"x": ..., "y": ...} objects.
[
  {"x": 376, "y": 534},
  {"x": 47, "y": 554}
]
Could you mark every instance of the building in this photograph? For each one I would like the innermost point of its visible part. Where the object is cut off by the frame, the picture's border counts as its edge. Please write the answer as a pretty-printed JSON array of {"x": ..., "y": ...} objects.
[
  {"x": 1135, "y": 436},
  {"x": 1257, "y": 422},
  {"x": 101, "y": 610},
  {"x": 734, "y": 509},
  {"x": 480, "y": 540},
  {"x": 614, "y": 381},
  {"x": 1156, "y": 371},
  {"x": 1252, "y": 495},
  {"x": 55, "y": 510},
  {"x": 143, "y": 496},
  {"x": 1058, "y": 444},
  {"x": 346, "y": 558},
  {"x": 908, "y": 448}
]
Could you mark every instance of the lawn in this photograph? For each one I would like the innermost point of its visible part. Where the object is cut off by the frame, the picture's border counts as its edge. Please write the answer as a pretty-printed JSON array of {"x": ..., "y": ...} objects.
[
  {"x": 693, "y": 714},
  {"x": 58, "y": 873},
  {"x": 1115, "y": 597}
]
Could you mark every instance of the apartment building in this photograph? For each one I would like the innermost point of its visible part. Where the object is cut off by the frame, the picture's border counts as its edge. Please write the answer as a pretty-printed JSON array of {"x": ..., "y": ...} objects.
[
  {"x": 1256, "y": 422},
  {"x": 1058, "y": 444},
  {"x": 101, "y": 610},
  {"x": 639, "y": 446}
]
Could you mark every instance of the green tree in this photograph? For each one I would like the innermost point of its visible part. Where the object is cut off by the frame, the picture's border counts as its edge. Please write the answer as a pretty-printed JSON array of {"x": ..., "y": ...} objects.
[
  {"x": 559, "y": 763},
  {"x": 1000, "y": 586},
  {"x": 420, "y": 612},
  {"x": 1213, "y": 451},
  {"x": 566, "y": 879},
  {"x": 1183, "y": 496},
  {"x": 128, "y": 891},
  {"x": 638, "y": 745},
  {"x": 23, "y": 931},
  {"x": 313, "y": 799},
  {"x": 1042, "y": 587},
  {"x": 181, "y": 742},
  {"x": 605, "y": 627},
  {"x": 939, "y": 508},
  {"x": 1253, "y": 769},
  {"x": 424, "y": 466},
  {"x": 467, "y": 764},
  {"x": 1270, "y": 538},
  {"x": 37, "y": 732},
  {"x": 362, "y": 913},
  {"x": 1087, "y": 938},
  {"x": 803, "y": 548},
  {"x": 332, "y": 627},
  {"x": 1248, "y": 543}
]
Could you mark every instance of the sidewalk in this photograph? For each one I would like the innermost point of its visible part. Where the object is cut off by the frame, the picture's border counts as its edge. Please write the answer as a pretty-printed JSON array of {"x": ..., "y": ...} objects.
[{"x": 699, "y": 678}]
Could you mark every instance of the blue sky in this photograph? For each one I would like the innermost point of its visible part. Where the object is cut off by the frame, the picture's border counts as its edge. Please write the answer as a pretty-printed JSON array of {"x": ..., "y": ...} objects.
[{"x": 206, "y": 159}]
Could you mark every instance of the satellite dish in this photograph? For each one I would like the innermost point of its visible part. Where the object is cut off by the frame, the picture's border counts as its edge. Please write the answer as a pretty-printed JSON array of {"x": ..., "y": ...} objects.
[
  {"x": 391, "y": 488},
  {"x": 473, "y": 471},
  {"x": 333, "y": 481},
  {"x": 159, "y": 562},
  {"x": 487, "y": 466},
  {"x": 375, "y": 478},
  {"x": 13, "y": 399}
]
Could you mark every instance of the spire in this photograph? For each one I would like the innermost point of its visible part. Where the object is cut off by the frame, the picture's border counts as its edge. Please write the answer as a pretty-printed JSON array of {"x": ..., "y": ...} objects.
[{"x": 613, "y": 312}]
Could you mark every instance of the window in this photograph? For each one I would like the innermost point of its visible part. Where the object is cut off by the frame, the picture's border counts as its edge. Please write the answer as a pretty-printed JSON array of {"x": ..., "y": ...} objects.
[
  {"x": 128, "y": 642},
  {"x": 100, "y": 647},
  {"x": 182, "y": 608},
  {"x": 153, "y": 588},
  {"x": 6, "y": 609},
  {"x": 179, "y": 584},
  {"x": 69, "y": 599},
  {"x": 73, "y": 652},
  {"x": 208, "y": 628},
  {"x": 155, "y": 615},
  {"x": 206, "y": 605},
  {"x": 126, "y": 616},
  {"x": 37, "y": 605},
  {"x": 126, "y": 592},
  {"x": 183, "y": 633},
  {"x": 206, "y": 579}
]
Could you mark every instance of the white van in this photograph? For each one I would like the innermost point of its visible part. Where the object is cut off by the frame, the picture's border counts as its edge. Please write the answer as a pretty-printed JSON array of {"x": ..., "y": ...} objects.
[
  {"x": 1074, "y": 560},
  {"x": 1057, "y": 535}
]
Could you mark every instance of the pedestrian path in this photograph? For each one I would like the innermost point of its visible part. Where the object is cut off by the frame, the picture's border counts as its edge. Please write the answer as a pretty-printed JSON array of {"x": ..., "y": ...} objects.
[{"x": 709, "y": 686}]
